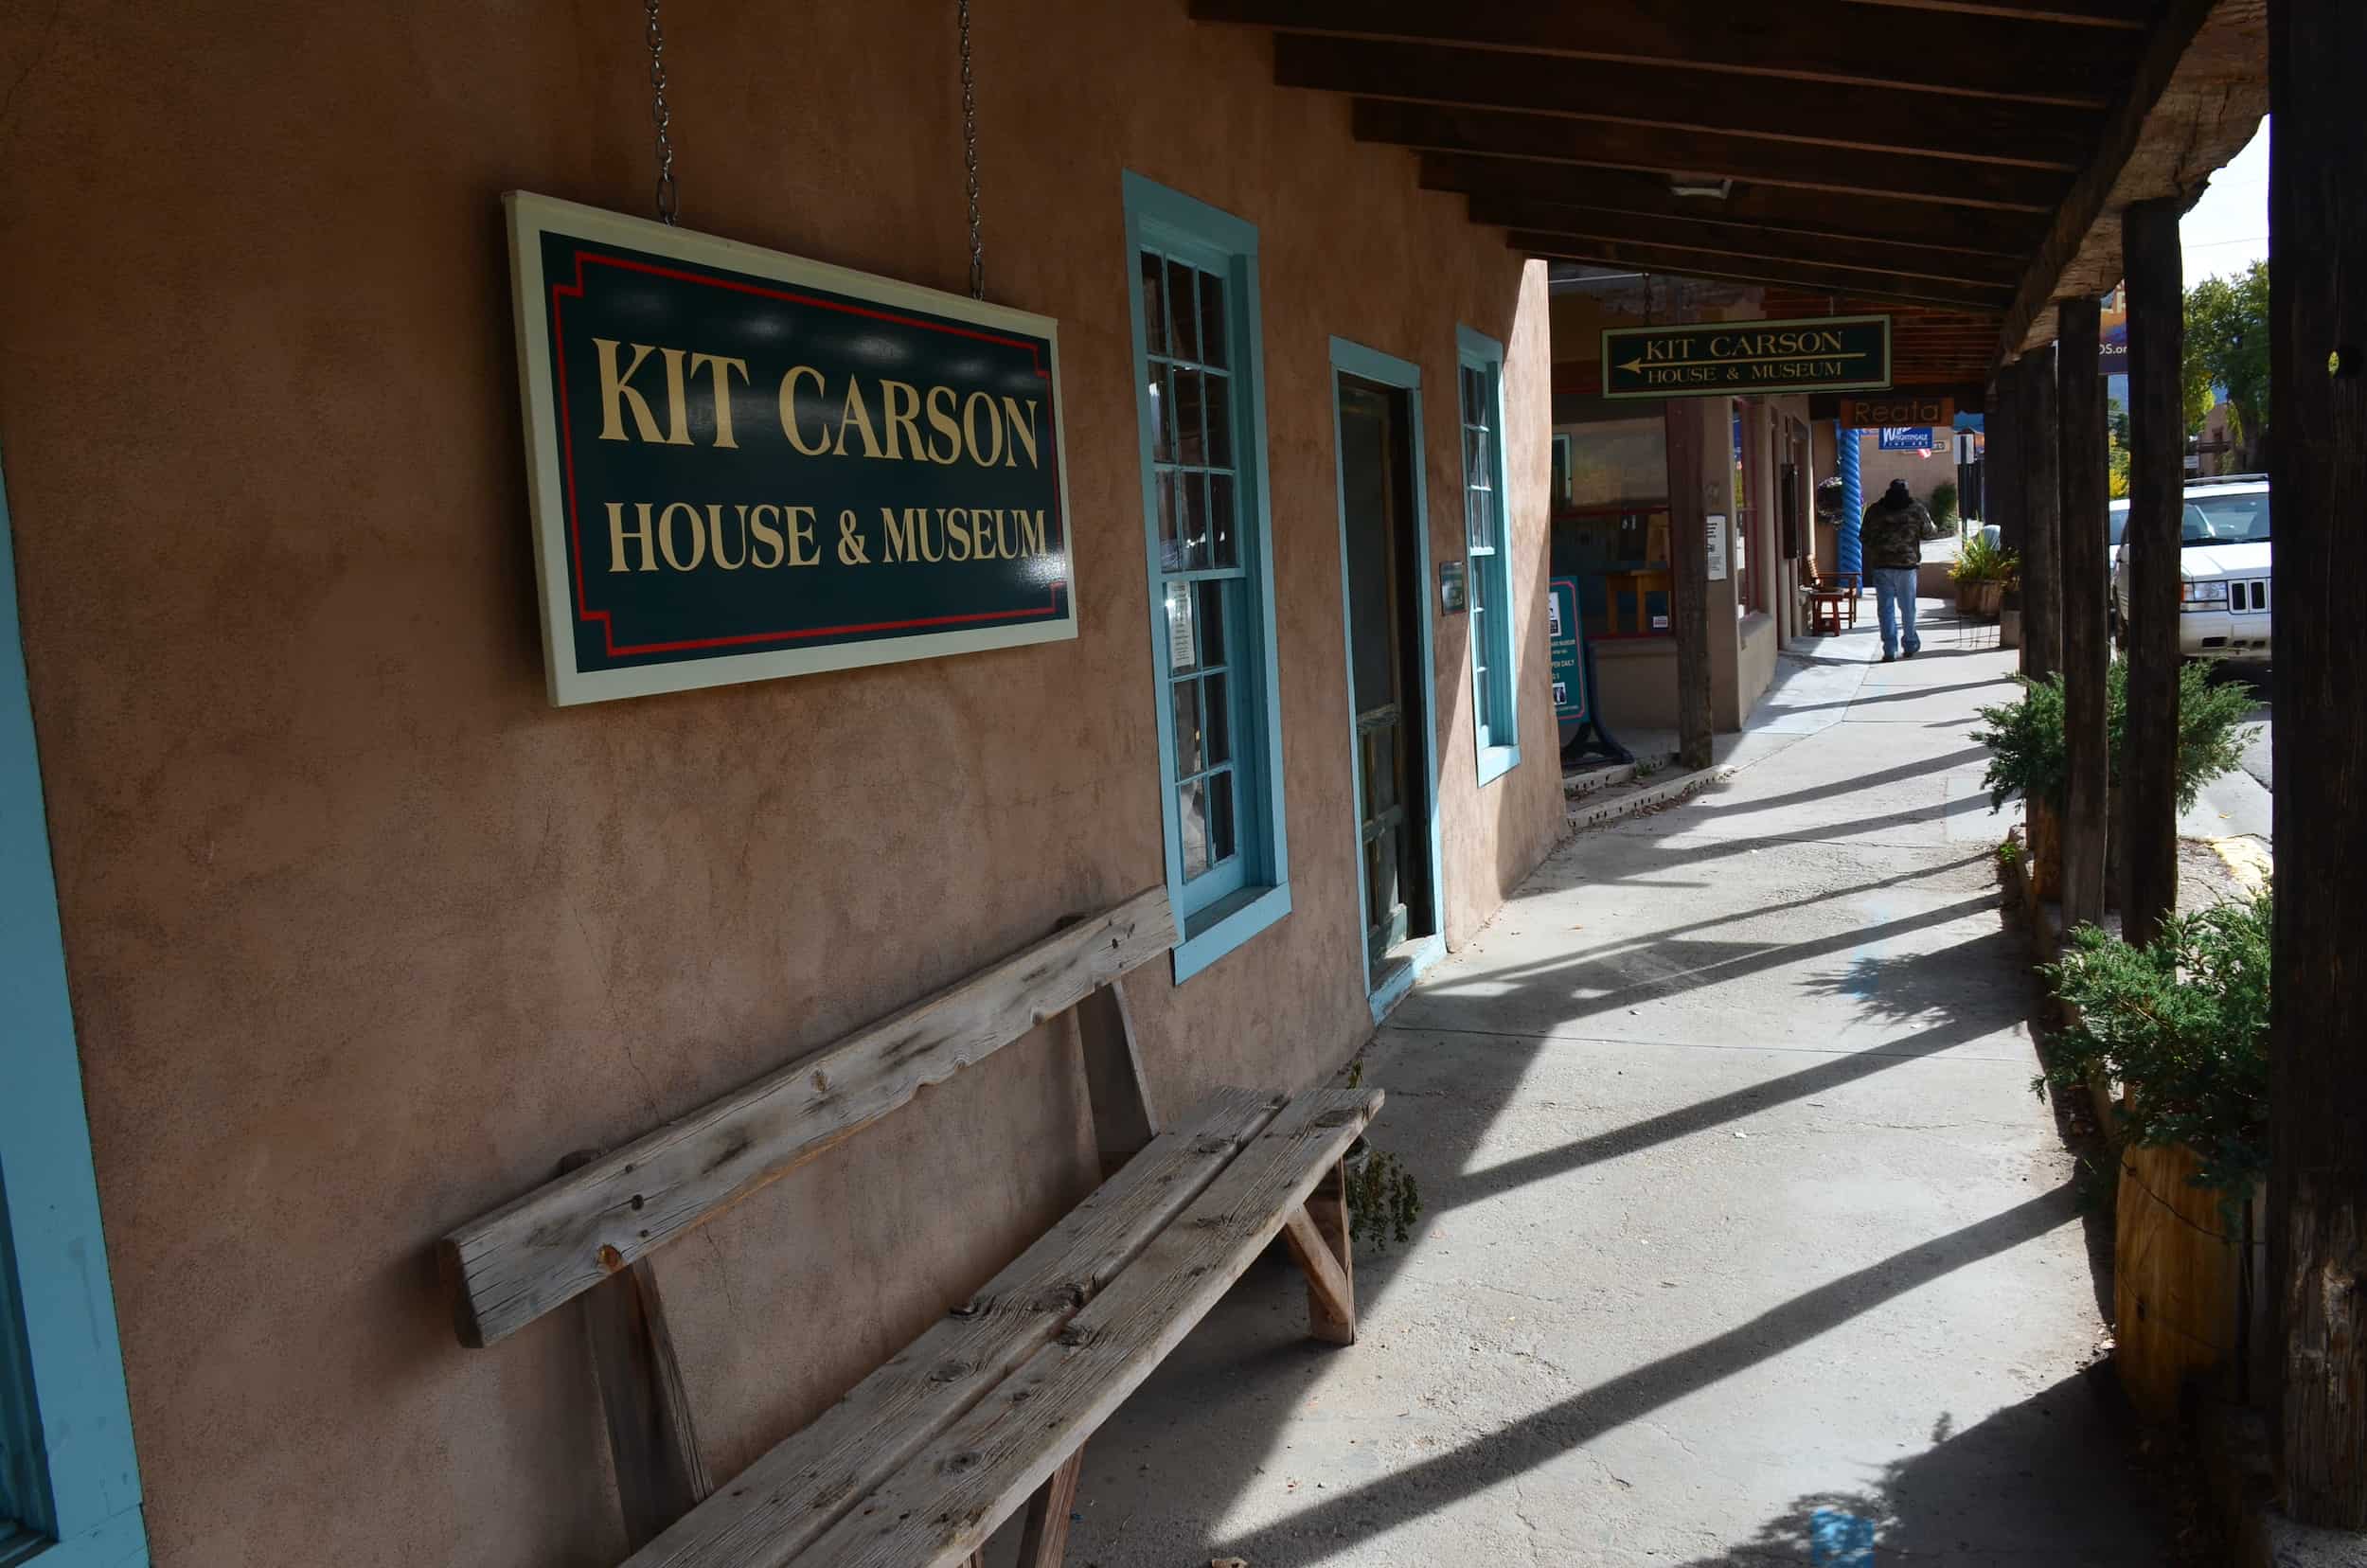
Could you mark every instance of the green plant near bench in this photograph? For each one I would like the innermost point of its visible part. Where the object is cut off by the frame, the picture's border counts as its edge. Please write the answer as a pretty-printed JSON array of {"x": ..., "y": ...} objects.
[
  {"x": 1383, "y": 1199},
  {"x": 2025, "y": 737},
  {"x": 2184, "y": 1023}
]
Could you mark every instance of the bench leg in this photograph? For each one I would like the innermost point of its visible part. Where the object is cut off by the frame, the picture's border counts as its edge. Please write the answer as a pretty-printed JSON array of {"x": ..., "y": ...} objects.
[
  {"x": 1043, "y": 1538},
  {"x": 1318, "y": 1235}
]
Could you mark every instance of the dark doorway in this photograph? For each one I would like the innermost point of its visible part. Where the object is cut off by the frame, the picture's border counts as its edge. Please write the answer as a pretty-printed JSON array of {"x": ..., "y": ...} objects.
[{"x": 1388, "y": 682}]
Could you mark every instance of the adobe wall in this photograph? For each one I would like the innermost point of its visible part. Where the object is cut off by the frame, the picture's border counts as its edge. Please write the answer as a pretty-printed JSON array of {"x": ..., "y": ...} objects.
[{"x": 363, "y": 935}]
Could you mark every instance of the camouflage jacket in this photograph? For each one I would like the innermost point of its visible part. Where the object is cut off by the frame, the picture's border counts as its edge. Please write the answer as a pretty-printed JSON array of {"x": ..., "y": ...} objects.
[{"x": 1894, "y": 536}]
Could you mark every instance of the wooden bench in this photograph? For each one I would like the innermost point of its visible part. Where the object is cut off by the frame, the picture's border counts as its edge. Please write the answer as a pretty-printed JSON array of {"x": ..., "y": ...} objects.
[{"x": 921, "y": 1462}]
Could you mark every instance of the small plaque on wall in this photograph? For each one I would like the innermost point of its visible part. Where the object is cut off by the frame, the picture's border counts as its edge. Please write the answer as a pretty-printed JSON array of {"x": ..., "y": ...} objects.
[{"x": 1451, "y": 598}]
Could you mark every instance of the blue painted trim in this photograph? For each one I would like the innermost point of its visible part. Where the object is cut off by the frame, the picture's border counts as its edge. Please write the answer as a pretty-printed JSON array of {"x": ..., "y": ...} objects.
[
  {"x": 1484, "y": 353},
  {"x": 1431, "y": 950},
  {"x": 1371, "y": 365},
  {"x": 76, "y": 1478},
  {"x": 1216, "y": 241},
  {"x": 1227, "y": 924}
]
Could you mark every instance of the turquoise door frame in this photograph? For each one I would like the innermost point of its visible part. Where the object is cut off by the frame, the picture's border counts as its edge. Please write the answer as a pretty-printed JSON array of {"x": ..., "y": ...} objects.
[
  {"x": 68, "y": 1479},
  {"x": 1354, "y": 359}
]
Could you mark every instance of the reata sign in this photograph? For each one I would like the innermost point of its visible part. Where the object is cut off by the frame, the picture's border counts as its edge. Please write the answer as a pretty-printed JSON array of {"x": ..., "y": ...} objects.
[
  {"x": 1746, "y": 358},
  {"x": 744, "y": 465}
]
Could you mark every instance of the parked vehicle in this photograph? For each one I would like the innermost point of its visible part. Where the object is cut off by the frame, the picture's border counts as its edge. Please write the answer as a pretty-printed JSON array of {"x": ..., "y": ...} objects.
[{"x": 2223, "y": 566}]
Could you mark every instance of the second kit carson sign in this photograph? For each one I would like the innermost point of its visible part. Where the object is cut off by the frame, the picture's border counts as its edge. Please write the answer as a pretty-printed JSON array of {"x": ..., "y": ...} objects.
[
  {"x": 745, "y": 464},
  {"x": 1746, "y": 358}
]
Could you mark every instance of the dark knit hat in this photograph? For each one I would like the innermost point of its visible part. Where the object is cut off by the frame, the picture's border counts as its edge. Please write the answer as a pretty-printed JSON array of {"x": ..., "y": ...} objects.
[{"x": 1897, "y": 496}]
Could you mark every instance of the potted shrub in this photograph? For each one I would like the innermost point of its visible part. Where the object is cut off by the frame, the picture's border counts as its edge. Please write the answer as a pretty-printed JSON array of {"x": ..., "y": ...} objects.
[
  {"x": 2182, "y": 1024},
  {"x": 1980, "y": 573},
  {"x": 2025, "y": 741}
]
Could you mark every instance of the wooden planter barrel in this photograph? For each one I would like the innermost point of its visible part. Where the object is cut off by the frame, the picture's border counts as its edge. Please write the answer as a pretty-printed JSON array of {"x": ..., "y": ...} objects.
[
  {"x": 2046, "y": 851},
  {"x": 2175, "y": 1273}
]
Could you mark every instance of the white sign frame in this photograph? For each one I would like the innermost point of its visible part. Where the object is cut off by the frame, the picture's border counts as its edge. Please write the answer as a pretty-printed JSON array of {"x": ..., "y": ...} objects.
[
  {"x": 528, "y": 217},
  {"x": 1717, "y": 544}
]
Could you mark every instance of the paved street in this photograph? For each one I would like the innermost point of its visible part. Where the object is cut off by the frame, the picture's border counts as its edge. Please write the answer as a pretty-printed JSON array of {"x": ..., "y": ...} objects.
[
  {"x": 2239, "y": 804},
  {"x": 1744, "y": 1233}
]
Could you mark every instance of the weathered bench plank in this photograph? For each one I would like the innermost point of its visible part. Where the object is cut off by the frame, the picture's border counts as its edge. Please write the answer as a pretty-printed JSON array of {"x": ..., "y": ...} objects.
[
  {"x": 783, "y": 1502},
  {"x": 942, "y": 1507},
  {"x": 509, "y": 1266}
]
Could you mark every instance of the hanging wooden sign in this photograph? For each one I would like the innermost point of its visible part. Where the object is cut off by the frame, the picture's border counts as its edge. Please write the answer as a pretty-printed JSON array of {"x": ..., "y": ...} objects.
[
  {"x": 1746, "y": 358},
  {"x": 1896, "y": 408},
  {"x": 745, "y": 464}
]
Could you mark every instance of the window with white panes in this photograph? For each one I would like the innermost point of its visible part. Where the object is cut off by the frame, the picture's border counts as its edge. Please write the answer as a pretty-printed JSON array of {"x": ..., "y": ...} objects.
[
  {"x": 1196, "y": 496},
  {"x": 1211, "y": 585},
  {"x": 1488, "y": 569}
]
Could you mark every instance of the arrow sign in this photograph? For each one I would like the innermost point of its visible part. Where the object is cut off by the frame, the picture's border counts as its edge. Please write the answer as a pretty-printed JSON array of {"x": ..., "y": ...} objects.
[{"x": 1716, "y": 359}]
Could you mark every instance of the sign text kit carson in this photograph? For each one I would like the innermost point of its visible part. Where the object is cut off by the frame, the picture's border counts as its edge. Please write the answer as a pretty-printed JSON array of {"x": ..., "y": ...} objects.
[
  {"x": 1727, "y": 358},
  {"x": 747, "y": 465}
]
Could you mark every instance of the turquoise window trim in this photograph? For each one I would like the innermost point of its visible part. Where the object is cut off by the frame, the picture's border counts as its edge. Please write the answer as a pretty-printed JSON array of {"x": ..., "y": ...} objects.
[
  {"x": 1354, "y": 359},
  {"x": 1401, "y": 979},
  {"x": 1494, "y": 756},
  {"x": 1216, "y": 241},
  {"x": 65, "y": 1419}
]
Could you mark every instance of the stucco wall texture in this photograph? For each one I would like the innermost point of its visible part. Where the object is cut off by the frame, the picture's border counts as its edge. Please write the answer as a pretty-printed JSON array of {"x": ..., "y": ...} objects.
[{"x": 364, "y": 937}]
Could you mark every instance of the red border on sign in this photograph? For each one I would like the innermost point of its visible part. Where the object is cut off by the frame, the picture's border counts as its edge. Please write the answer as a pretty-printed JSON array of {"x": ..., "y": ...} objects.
[{"x": 605, "y": 619}]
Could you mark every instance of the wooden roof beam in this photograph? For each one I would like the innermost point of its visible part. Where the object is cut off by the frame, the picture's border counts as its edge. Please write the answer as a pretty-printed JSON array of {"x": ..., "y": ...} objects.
[
  {"x": 1937, "y": 262},
  {"x": 2044, "y": 61},
  {"x": 2128, "y": 14},
  {"x": 1826, "y": 214},
  {"x": 2198, "y": 92},
  {"x": 1871, "y": 120},
  {"x": 1676, "y": 262},
  {"x": 1547, "y": 139}
]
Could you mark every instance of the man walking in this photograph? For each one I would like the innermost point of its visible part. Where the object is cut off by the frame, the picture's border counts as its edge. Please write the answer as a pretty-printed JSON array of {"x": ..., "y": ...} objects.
[{"x": 1892, "y": 534}]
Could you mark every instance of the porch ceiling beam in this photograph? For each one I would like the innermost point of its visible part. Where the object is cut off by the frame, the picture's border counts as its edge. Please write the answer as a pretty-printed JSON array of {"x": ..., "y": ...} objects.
[
  {"x": 1936, "y": 262},
  {"x": 1835, "y": 215},
  {"x": 1900, "y": 177},
  {"x": 2128, "y": 14},
  {"x": 1828, "y": 41},
  {"x": 1674, "y": 262},
  {"x": 2197, "y": 91},
  {"x": 1887, "y": 118}
]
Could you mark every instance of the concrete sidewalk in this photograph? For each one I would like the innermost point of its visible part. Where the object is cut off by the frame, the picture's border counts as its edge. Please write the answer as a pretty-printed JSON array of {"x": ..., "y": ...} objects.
[{"x": 1743, "y": 1230}]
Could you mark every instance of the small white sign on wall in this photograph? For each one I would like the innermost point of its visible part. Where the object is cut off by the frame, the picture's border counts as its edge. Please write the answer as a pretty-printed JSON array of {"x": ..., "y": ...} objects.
[{"x": 1717, "y": 546}]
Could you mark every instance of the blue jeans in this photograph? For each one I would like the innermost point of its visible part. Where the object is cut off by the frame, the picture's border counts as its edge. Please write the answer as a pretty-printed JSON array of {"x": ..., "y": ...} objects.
[{"x": 1894, "y": 596}]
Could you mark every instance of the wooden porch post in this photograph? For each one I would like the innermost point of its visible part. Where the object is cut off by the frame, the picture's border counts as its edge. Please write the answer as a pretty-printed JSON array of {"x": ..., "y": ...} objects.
[
  {"x": 2318, "y": 1045},
  {"x": 2146, "y": 827},
  {"x": 2042, "y": 502},
  {"x": 2083, "y": 466},
  {"x": 1689, "y": 574},
  {"x": 2001, "y": 463}
]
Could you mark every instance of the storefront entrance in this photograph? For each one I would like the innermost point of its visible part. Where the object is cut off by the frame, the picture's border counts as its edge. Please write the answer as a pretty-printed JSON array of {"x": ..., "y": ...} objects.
[{"x": 1384, "y": 566}]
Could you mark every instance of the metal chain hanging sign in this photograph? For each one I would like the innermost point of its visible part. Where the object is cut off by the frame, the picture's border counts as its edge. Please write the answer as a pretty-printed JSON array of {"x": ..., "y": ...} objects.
[
  {"x": 669, "y": 198},
  {"x": 970, "y": 156}
]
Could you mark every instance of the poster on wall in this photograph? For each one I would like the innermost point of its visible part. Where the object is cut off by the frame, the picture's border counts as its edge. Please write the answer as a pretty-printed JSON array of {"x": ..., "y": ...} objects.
[
  {"x": 1910, "y": 439},
  {"x": 1715, "y": 528},
  {"x": 744, "y": 465},
  {"x": 1562, "y": 639}
]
